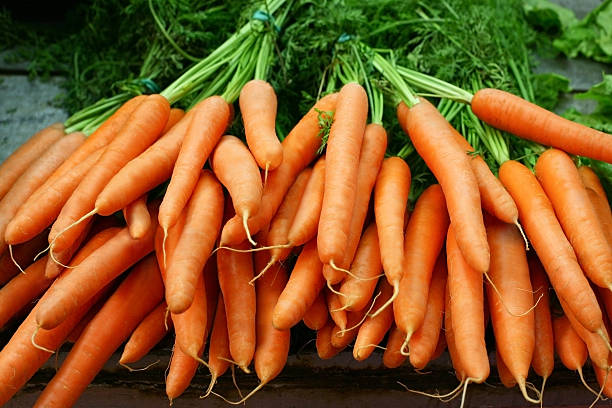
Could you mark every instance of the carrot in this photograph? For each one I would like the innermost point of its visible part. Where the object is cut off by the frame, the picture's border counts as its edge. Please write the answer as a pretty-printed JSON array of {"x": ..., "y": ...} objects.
[
  {"x": 304, "y": 285},
  {"x": 93, "y": 310},
  {"x": 560, "y": 180},
  {"x": 336, "y": 311},
  {"x": 325, "y": 349},
  {"x": 343, "y": 337},
  {"x": 24, "y": 256},
  {"x": 568, "y": 345},
  {"x": 466, "y": 303},
  {"x": 79, "y": 284},
  {"x": 181, "y": 371},
  {"x": 342, "y": 162},
  {"x": 357, "y": 289},
  {"x": 19, "y": 161},
  {"x": 219, "y": 352},
  {"x": 204, "y": 213},
  {"x": 543, "y": 360},
  {"x": 511, "y": 305},
  {"x": 545, "y": 234},
  {"x": 432, "y": 137},
  {"x": 235, "y": 272},
  {"x": 140, "y": 131},
  {"x": 449, "y": 335},
  {"x": 277, "y": 235},
  {"x": 602, "y": 209},
  {"x": 236, "y": 169},
  {"x": 258, "y": 108},
  {"x": 373, "y": 329},
  {"x": 299, "y": 149},
  {"x": 505, "y": 375},
  {"x": 524, "y": 119},
  {"x": 44, "y": 205},
  {"x": 20, "y": 359},
  {"x": 22, "y": 289},
  {"x": 174, "y": 117},
  {"x": 33, "y": 177},
  {"x": 589, "y": 179},
  {"x": 56, "y": 266},
  {"x": 317, "y": 315},
  {"x": 137, "y": 217},
  {"x": 137, "y": 295},
  {"x": 370, "y": 159},
  {"x": 304, "y": 225},
  {"x": 494, "y": 197},
  {"x": 148, "y": 333},
  {"x": 605, "y": 380},
  {"x": 190, "y": 325},
  {"x": 206, "y": 126},
  {"x": 423, "y": 343},
  {"x": 390, "y": 200},
  {"x": 392, "y": 357},
  {"x": 424, "y": 240}
]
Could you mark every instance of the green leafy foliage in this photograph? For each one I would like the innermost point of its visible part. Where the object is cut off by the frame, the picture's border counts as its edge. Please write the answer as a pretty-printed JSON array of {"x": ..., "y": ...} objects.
[
  {"x": 548, "y": 88},
  {"x": 601, "y": 117}
]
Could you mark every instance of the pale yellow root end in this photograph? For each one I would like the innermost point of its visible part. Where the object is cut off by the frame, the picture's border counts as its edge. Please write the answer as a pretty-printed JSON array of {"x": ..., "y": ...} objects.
[
  {"x": 33, "y": 340},
  {"x": 74, "y": 224},
  {"x": 388, "y": 302},
  {"x": 334, "y": 291},
  {"x": 501, "y": 299},
  {"x": 213, "y": 380},
  {"x": 596, "y": 393},
  {"x": 264, "y": 248},
  {"x": 520, "y": 228},
  {"x": 245, "y": 218},
  {"x": 365, "y": 316},
  {"x": 266, "y": 170},
  {"x": 233, "y": 370},
  {"x": 404, "y": 350},
  {"x": 260, "y": 274},
  {"x": 131, "y": 370},
  {"x": 603, "y": 385},
  {"x": 249, "y": 395},
  {"x": 38, "y": 255},
  {"x": 10, "y": 248},
  {"x": 165, "y": 229},
  {"x": 521, "y": 384},
  {"x": 439, "y": 396}
]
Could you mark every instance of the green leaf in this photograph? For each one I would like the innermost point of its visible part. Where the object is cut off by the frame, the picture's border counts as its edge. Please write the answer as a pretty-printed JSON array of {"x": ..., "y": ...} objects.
[
  {"x": 548, "y": 87},
  {"x": 547, "y": 16},
  {"x": 601, "y": 117}
]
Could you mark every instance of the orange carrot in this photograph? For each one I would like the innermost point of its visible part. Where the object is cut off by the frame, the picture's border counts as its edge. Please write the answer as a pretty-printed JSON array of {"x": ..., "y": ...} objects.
[
  {"x": 219, "y": 351},
  {"x": 543, "y": 360},
  {"x": 235, "y": 273},
  {"x": 424, "y": 239},
  {"x": 449, "y": 335},
  {"x": 304, "y": 285},
  {"x": 568, "y": 345},
  {"x": 137, "y": 295},
  {"x": 545, "y": 234},
  {"x": 18, "y": 162},
  {"x": 190, "y": 326},
  {"x": 342, "y": 163},
  {"x": 137, "y": 217},
  {"x": 258, "y": 109},
  {"x": 560, "y": 179},
  {"x": 204, "y": 213},
  {"x": 343, "y": 337},
  {"x": 524, "y": 119},
  {"x": 24, "y": 256},
  {"x": 317, "y": 315},
  {"x": 174, "y": 117},
  {"x": 33, "y": 177},
  {"x": 390, "y": 200},
  {"x": 206, "y": 126},
  {"x": 304, "y": 225},
  {"x": 22, "y": 289},
  {"x": 299, "y": 149},
  {"x": 590, "y": 180},
  {"x": 505, "y": 375},
  {"x": 432, "y": 137},
  {"x": 370, "y": 159},
  {"x": 604, "y": 214},
  {"x": 181, "y": 371},
  {"x": 336, "y": 311},
  {"x": 392, "y": 356},
  {"x": 56, "y": 266},
  {"x": 423, "y": 343},
  {"x": 373, "y": 329},
  {"x": 467, "y": 304},
  {"x": 148, "y": 333},
  {"x": 325, "y": 349}
]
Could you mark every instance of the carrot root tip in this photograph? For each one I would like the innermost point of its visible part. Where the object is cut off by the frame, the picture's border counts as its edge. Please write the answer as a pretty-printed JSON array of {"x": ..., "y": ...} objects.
[
  {"x": 213, "y": 380},
  {"x": 38, "y": 255},
  {"x": 520, "y": 228},
  {"x": 521, "y": 384},
  {"x": 33, "y": 340},
  {"x": 388, "y": 302},
  {"x": 164, "y": 245},
  {"x": 404, "y": 350},
  {"x": 10, "y": 248},
  {"x": 260, "y": 274},
  {"x": 245, "y": 223},
  {"x": 74, "y": 224},
  {"x": 334, "y": 291},
  {"x": 131, "y": 370},
  {"x": 249, "y": 395}
]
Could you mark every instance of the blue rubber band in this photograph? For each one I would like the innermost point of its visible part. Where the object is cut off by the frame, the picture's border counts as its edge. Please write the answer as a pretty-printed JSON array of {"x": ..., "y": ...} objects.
[
  {"x": 344, "y": 37},
  {"x": 266, "y": 18},
  {"x": 151, "y": 85}
]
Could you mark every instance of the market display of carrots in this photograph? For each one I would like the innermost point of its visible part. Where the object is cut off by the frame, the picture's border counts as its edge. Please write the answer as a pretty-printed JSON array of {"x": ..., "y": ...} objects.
[{"x": 162, "y": 222}]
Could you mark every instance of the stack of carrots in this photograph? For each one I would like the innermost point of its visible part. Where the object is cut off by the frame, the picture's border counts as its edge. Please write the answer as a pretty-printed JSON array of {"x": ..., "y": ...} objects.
[{"x": 211, "y": 257}]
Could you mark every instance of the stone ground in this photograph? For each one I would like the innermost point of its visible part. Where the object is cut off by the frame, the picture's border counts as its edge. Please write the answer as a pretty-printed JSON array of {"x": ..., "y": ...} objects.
[{"x": 26, "y": 106}]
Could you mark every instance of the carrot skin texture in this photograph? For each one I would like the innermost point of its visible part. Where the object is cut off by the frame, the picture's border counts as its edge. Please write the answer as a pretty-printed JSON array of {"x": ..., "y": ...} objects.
[
  {"x": 147, "y": 334},
  {"x": 392, "y": 357},
  {"x": 424, "y": 240},
  {"x": 505, "y": 375},
  {"x": 23, "y": 254},
  {"x": 373, "y": 329},
  {"x": 590, "y": 180},
  {"x": 524, "y": 119},
  {"x": 181, "y": 371},
  {"x": 204, "y": 214},
  {"x": 137, "y": 217},
  {"x": 602, "y": 209},
  {"x": 303, "y": 287},
  {"x": 336, "y": 312},
  {"x": 561, "y": 181},
  {"x": 390, "y": 199},
  {"x": 543, "y": 361},
  {"x": 299, "y": 149},
  {"x": 258, "y": 108},
  {"x": 514, "y": 335},
  {"x": 104, "y": 334},
  {"x": 219, "y": 351},
  {"x": 325, "y": 349},
  {"x": 434, "y": 140},
  {"x": 343, "y": 151},
  {"x": 568, "y": 345},
  {"x": 449, "y": 335},
  {"x": 371, "y": 157},
  {"x": 354, "y": 320},
  {"x": 422, "y": 344},
  {"x": 317, "y": 315},
  {"x": 18, "y": 162},
  {"x": 174, "y": 117},
  {"x": 547, "y": 238},
  {"x": 466, "y": 298}
]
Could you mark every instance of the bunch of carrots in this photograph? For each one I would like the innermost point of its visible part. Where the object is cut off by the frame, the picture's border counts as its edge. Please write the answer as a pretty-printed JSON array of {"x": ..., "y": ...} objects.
[{"x": 209, "y": 222}]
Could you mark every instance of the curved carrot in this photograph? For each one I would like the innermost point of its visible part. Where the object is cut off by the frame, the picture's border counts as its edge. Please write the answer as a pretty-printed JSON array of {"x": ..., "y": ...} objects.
[
  {"x": 325, "y": 349},
  {"x": 590, "y": 180},
  {"x": 142, "y": 129},
  {"x": 303, "y": 287},
  {"x": 23, "y": 254},
  {"x": 373, "y": 329},
  {"x": 543, "y": 361},
  {"x": 560, "y": 180},
  {"x": 432, "y": 137},
  {"x": 343, "y": 337},
  {"x": 219, "y": 351},
  {"x": 505, "y": 375},
  {"x": 390, "y": 200},
  {"x": 181, "y": 371},
  {"x": 524, "y": 119},
  {"x": 424, "y": 240},
  {"x": 53, "y": 268},
  {"x": 236, "y": 169},
  {"x": 174, "y": 117},
  {"x": 137, "y": 217},
  {"x": 568, "y": 345},
  {"x": 336, "y": 311},
  {"x": 206, "y": 126},
  {"x": 18, "y": 162},
  {"x": 449, "y": 335},
  {"x": 204, "y": 213},
  {"x": 545, "y": 234},
  {"x": 466, "y": 303},
  {"x": 299, "y": 149},
  {"x": 149, "y": 332},
  {"x": 342, "y": 162},
  {"x": 392, "y": 357},
  {"x": 370, "y": 159},
  {"x": 317, "y": 314},
  {"x": 258, "y": 108}
]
